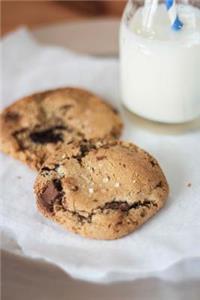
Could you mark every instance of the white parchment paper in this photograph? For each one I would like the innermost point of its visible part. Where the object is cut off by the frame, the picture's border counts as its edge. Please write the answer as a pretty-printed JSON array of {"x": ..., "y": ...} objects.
[{"x": 171, "y": 236}]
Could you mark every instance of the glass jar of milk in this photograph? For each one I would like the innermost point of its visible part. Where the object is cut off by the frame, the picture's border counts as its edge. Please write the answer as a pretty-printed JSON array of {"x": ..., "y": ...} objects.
[{"x": 160, "y": 65}]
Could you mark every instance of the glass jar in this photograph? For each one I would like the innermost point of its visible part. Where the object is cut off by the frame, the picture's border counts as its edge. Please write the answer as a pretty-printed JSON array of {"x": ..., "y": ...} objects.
[{"x": 160, "y": 66}]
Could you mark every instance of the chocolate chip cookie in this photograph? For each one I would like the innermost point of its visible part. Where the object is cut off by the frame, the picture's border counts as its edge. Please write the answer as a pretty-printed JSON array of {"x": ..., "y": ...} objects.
[
  {"x": 101, "y": 190},
  {"x": 36, "y": 126}
]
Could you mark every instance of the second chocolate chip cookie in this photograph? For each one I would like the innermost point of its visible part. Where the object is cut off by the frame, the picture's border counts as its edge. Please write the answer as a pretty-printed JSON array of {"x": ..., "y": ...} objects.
[{"x": 37, "y": 126}]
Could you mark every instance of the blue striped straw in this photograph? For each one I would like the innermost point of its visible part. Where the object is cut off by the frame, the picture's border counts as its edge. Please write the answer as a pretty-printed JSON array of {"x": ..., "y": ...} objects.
[{"x": 176, "y": 23}]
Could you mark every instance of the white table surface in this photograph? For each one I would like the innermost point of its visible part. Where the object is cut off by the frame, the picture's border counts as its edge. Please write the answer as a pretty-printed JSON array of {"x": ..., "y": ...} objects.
[{"x": 24, "y": 278}]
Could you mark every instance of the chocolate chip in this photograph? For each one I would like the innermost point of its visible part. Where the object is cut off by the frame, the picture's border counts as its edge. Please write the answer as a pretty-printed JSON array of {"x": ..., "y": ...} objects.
[
  {"x": 49, "y": 195},
  {"x": 12, "y": 116},
  {"x": 115, "y": 110},
  {"x": 20, "y": 131},
  {"x": 111, "y": 205},
  {"x": 101, "y": 157},
  {"x": 74, "y": 188},
  {"x": 46, "y": 169},
  {"x": 84, "y": 150},
  {"x": 138, "y": 204},
  {"x": 159, "y": 185},
  {"x": 106, "y": 146},
  {"x": 66, "y": 107},
  {"x": 119, "y": 223},
  {"x": 114, "y": 132},
  {"x": 143, "y": 213},
  {"x": 124, "y": 206},
  {"x": 153, "y": 163},
  {"x": 48, "y": 136},
  {"x": 57, "y": 184}
]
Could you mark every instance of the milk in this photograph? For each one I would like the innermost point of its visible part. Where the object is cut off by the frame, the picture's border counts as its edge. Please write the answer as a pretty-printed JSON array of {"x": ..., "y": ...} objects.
[{"x": 160, "y": 68}]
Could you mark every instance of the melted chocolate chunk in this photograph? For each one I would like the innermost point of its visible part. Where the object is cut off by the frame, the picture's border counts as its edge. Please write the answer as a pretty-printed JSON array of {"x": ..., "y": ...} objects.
[
  {"x": 50, "y": 169},
  {"x": 84, "y": 150},
  {"x": 57, "y": 184},
  {"x": 51, "y": 135},
  {"x": 46, "y": 169},
  {"x": 52, "y": 192},
  {"x": 114, "y": 205},
  {"x": 48, "y": 197},
  {"x": 124, "y": 206}
]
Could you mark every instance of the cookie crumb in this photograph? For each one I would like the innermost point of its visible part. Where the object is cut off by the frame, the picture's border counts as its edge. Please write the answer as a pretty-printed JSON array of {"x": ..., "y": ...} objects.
[
  {"x": 189, "y": 184},
  {"x": 117, "y": 184}
]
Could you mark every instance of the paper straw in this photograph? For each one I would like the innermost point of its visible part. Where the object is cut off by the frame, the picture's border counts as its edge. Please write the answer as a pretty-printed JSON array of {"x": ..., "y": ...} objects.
[{"x": 176, "y": 23}]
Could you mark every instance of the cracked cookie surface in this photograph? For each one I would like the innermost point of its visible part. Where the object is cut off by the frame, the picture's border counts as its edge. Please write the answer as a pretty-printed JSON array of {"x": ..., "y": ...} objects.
[
  {"x": 36, "y": 126},
  {"x": 101, "y": 190}
]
